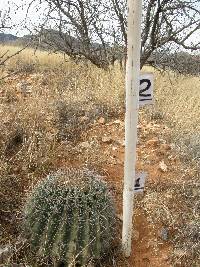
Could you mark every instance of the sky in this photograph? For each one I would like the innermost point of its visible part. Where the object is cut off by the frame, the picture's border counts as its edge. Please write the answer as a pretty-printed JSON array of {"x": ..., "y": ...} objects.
[{"x": 20, "y": 15}]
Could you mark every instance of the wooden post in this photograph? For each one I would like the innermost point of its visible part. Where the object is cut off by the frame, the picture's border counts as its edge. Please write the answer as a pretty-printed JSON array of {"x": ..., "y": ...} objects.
[{"x": 131, "y": 119}]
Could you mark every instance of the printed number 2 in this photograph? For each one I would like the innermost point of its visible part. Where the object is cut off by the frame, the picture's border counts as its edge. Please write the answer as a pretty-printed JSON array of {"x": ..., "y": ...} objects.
[{"x": 141, "y": 93}]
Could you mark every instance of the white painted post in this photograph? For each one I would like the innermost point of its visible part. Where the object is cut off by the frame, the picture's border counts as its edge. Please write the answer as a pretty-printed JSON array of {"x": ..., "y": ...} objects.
[{"x": 131, "y": 119}]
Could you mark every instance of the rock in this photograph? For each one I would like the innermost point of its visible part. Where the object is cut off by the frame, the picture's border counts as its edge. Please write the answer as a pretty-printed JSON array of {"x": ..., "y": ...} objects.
[
  {"x": 150, "y": 244},
  {"x": 24, "y": 87},
  {"x": 119, "y": 122},
  {"x": 164, "y": 234},
  {"x": 163, "y": 166},
  {"x": 139, "y": 126},
  {"x": 136, "y": 235},
  {"x": 153, "y": 142},
  {"x": 172, "y": 158},
  {"x": 24, "y": 168},
  {"x": 165, "y": 147},
  {"x": 101, "y": 120},
  {"x": 106, "y": 139},
  {"x": 120, "y": 217},
  {"x": 85, "y": 144},
  {"x": 121, "y": 143}
]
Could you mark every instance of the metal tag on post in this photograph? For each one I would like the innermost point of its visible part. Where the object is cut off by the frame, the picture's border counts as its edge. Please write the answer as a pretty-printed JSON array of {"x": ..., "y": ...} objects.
[
  {"x": 146, "y": 89},
  {"x": 139, "y": 182}
]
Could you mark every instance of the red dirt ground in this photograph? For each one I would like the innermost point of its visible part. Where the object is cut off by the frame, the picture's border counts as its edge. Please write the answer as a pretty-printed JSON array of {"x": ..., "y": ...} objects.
[{"x": 157, "y": 158}]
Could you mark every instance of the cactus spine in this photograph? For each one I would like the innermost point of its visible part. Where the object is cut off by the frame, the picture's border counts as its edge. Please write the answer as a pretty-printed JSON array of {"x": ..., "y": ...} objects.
[{"x": 70, "y": 217}]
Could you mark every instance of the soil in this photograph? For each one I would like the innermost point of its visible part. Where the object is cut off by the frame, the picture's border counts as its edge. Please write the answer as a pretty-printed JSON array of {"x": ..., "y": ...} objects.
[{"x": 155, "y": 157}]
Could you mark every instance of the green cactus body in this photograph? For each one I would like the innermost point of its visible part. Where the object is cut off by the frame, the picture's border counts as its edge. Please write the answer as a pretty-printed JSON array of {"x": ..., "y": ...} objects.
[{"x": 70, "y": 218}]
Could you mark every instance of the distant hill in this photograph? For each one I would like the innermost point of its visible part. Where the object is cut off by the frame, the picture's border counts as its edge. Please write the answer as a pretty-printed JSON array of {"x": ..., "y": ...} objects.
[
  {"x": 52, "y": 40},
  {"x": 47, "y": 40},
  {"x": 6, "y": 38}
]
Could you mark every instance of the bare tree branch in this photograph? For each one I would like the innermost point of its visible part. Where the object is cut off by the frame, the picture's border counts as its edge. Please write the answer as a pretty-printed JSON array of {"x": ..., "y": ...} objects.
[{"x": 96, "y": 30}]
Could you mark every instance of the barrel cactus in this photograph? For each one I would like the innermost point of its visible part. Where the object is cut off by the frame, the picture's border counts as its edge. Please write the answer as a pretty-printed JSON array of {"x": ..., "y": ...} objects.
[{"x": 70, "y": 218}]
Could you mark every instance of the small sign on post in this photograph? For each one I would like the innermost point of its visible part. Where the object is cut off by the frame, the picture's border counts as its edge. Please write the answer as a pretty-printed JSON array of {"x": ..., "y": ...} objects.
[
  {"x": 146, "y": 89},
  {"x": 140, "y": 181}
]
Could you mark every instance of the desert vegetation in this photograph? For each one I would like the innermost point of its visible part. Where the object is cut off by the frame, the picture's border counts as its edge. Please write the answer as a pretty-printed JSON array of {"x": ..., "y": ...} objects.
[
  {"x": 58, "y": 114},
  {"x": 62, "y": 109}
]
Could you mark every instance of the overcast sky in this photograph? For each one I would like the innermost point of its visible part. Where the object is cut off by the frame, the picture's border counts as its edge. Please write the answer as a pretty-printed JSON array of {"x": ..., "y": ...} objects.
[
  {"x": 20, "y": 15},
  {"x": 34, "y": 17}
]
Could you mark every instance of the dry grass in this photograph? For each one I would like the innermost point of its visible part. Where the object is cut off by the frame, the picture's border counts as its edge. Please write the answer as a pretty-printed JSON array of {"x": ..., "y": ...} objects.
[
  {"x": 177, "y": 101},
  {"x": 44, "y": 114},
  {"x": 29, "y": 60},
  {"x": 45, "y": 110},
  {"x": 175, "y": 206}
]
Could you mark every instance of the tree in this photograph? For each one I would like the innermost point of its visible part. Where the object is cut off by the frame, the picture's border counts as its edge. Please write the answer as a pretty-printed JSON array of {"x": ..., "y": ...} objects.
[
  {"x": 4, "y": 19},
  {"x": 5, "y": 25},
  {"x": 96, "y": 30}
]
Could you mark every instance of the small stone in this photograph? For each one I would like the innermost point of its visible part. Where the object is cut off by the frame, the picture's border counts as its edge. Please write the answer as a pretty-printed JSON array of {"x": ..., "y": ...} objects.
[
  {"x": 121, "y": 143},
  {"x": 16, "y": 169},
  {"x": 164, "y": 234},
  {"x": 139, "y": 126},
  {"x": 153, "y": 142},
  {"x": 24, "y": 168},
  {"x": 101, "y": 120},
  {"x": 150, "y": 244},
  {"x": 119, "y": 122},
  {"x": 24, "y": 87},
  {"x": 165, "y": 147},
  {"x": 136, "y": 235},
  {"x": 85, "y": 144},
  {"x": 163, "y": 166},
  {"x": 120, "y": 217},
  {"x": 173, "y": 158},
  {"x": 106, "y": 139}
]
